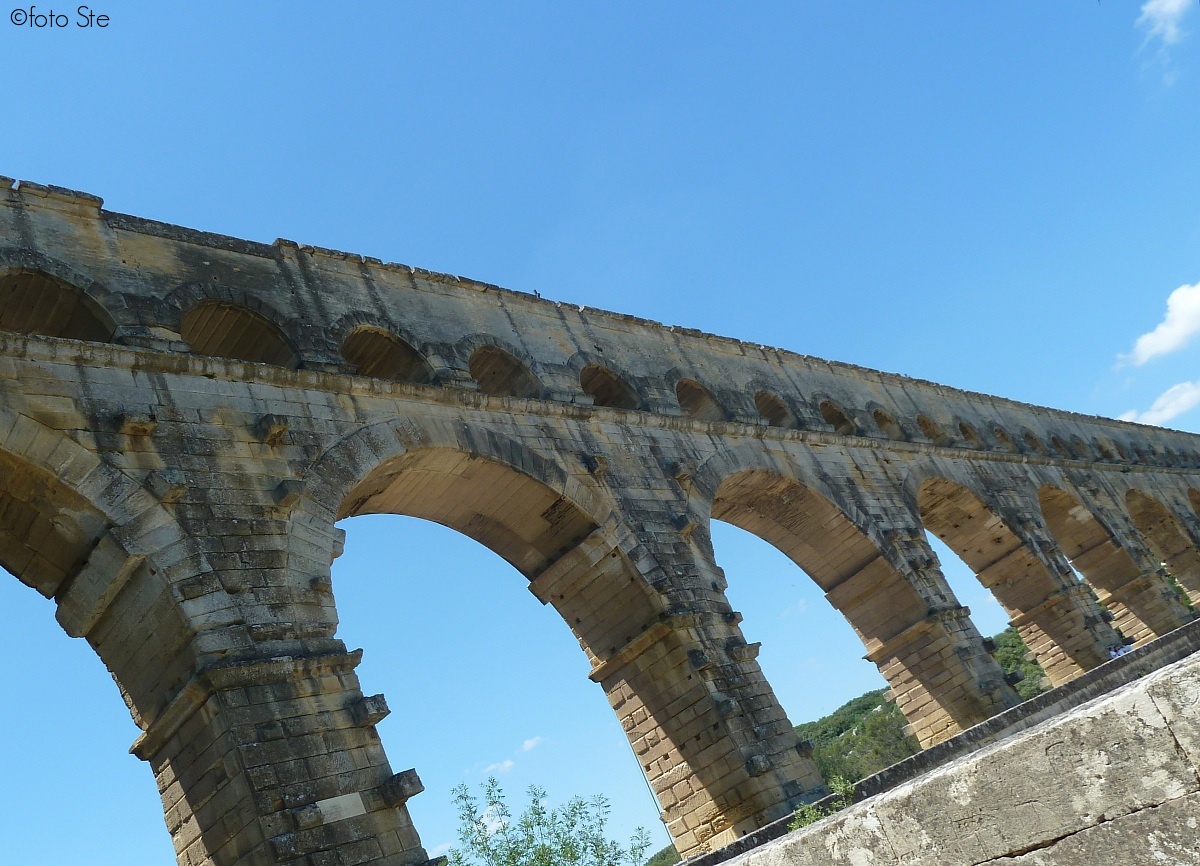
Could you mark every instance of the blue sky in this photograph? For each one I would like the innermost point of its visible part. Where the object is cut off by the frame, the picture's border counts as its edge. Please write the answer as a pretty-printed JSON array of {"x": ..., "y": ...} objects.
[{"x": 1000, "y": 197}]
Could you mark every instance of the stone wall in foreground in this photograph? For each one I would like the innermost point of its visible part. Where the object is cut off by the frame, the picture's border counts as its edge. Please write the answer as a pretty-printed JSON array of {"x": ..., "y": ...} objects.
[{"x": 1116, "y": 781}]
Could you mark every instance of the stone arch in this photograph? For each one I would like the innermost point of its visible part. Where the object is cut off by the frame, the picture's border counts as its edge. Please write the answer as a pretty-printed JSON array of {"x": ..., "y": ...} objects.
[
  {"x": 1037, "y": 601},
  {"x": 907, "y": 640},
  {"x": 1006, "y": 441},
  {"x": 102, "y": 547},
  {"x": 772, "y": 407},
  {"x": 381, "y": 354},
  {"x": 608, "y": 388},
  {"x": 932, "y": 430},
  {"x": 1133, "y": 596},
  {"x": 501, "y": 372},
  {"x": 888, "y": 424},
  {"x": 1033, "y": 443},
  {"x": 40, "y": 297},
  {"x": 970, "y": 435},
  {"x": 225, "y": 329},
  {"x": 565, "y": 538},
  {"x": 1168, "y": 538},
  {"x": 837, "y": 417},
  {"x": 698, "y": 402}
]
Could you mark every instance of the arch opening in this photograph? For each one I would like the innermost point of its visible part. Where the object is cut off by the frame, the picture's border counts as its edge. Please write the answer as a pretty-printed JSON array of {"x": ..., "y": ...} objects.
[
  {"x": 32, "y": 302},
  {"x": 932, "y": 431},
  {"x": 577, "y": 567},
  {"x": 48, "y": 533},
  {"x": 698, "y": 401},
  {"x": 382, "y": 355},
  {"x": 1135, "y": 599},
  {"x": 772, "y": 407},
  {"x": 1037, "y": 603},
  {"x": 970, "y": 435},
  {"x": 1168, "y": 539},
  {"x": 888, "y": 425},
  {"x": 884, "y": 609},
  {"x": 500, "y": 374},
  {"x": 1006, "y": 441},
  {"x": 835, "y": 416},
  {"x": 606, "y": 388},
  {"x": 227, "y": 330},
  {"x": 810, "y": 655}
]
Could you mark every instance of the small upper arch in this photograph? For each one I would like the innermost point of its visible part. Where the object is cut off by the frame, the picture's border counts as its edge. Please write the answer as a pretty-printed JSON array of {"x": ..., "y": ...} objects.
[
  {"x": 970, "y": 435},
  {"x": 229, "y": 330},
  {"x": 381, "y": 354},
  {"x": 888, "y": 424},
  {"x": 698, "y": 402},
  {"x": 932, "y": 430},
  {"x": 500, "y": 372},
  {"x": 837, "y": 417},
  {"x": 772, "y": 407},
  {"x": 38, "y": 298},
  {"x": 608, "y": 388}
]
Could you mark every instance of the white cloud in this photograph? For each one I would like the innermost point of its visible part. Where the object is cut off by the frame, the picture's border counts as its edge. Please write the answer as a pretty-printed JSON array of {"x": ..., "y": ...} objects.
[
  {"x": 531, "y": 744},
  {"x": 440, "y": 849},
  {"x": 1162, "y": 18},
  {"x": 1181, "y": 323},
  {"x": 502, "y": 767},
  {"x": 1170, "y": 404}
]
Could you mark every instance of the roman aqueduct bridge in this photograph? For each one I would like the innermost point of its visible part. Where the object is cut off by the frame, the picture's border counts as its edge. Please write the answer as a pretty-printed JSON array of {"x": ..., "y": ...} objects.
[{"x": 184, "y": 417}]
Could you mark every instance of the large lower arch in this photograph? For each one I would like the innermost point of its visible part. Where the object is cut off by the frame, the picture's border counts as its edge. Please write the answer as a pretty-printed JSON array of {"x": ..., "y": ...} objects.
[
  {"x": 1168, "y": 539},
  {"x": 1134, "y": 595},
  {"x": 93, "y": 542},
  {"x": 1043, "y": 607},
  {"x": 580, "y": 561},
  {"x": 913, "y": 649}
]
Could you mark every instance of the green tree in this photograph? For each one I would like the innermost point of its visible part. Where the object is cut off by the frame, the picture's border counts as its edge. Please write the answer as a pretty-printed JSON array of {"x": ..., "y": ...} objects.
[
  {"x": 569, "y": 835},
  {"x": 1012, "y": 655}
]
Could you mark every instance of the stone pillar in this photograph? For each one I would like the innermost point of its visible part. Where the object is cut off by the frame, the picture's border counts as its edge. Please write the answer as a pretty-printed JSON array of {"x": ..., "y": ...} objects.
[
  {"x": 941, "y": 675},
  {"x": 1063, "y": 626},
  {"x": 716, "y": 747},
  {"x": 276, "y": 761}
]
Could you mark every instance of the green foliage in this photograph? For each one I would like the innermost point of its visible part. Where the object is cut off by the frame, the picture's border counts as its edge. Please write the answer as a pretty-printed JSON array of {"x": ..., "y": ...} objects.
[
  {"x": 859, "y": 738},
  {"x": 1010, "y": 654},
  {"x": 570, "y": 835},
  {"x": 843, "y": 792},
  {"x": 664, "y": 857}
]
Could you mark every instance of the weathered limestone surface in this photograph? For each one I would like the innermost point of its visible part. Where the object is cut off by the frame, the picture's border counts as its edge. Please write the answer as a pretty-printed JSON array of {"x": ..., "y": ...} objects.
[
  {"x": 185, "y": 417},
  {"x": 1114, "y": 781}
]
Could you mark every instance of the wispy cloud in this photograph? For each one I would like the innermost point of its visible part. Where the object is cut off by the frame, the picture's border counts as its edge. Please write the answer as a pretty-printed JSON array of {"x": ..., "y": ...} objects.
[
  {"x": 531, "y": 744},
  {"x": 504, "y": 766},
  {"x": 1170, "y": 404},
  {"x": 1162, "y": 19},
  {"x": 439, "y": 850},
  {"x": 1176, "y": 330}
]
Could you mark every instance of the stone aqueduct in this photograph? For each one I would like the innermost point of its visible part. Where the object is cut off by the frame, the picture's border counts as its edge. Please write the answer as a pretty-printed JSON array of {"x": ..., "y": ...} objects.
[{"x": 185, "y": 416}]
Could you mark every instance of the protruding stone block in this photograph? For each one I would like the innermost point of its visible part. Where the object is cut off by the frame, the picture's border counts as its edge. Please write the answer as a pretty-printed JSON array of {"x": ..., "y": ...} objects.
[
  {"x": 401, "y": 788},
  {"x": 287, "y": 492},
  {"x": 166, "y": 484},
  {"x": 271, "y": 429},
  {"x": 369, "y": 710}
]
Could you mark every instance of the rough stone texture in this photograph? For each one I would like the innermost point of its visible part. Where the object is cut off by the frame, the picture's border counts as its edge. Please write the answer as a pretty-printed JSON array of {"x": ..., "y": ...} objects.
[
  {"x": 185, "y": 416},
  {"x": 1108, "y": 782}
]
